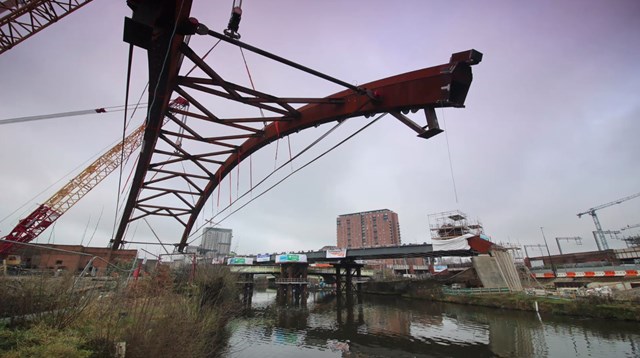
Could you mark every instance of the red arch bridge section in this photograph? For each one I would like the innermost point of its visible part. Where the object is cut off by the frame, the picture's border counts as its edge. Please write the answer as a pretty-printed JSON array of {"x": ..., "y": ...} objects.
[{"x": 187, "y": 152}]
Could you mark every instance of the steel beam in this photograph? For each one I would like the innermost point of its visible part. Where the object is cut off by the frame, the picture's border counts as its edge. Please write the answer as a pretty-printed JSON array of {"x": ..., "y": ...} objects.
[
  {"x": 164, "y": 60},
  {"x": 440, "y": 86}
]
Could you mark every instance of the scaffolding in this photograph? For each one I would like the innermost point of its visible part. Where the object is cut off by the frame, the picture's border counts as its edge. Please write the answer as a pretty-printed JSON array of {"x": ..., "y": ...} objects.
[{"x": 450, "y": 224}]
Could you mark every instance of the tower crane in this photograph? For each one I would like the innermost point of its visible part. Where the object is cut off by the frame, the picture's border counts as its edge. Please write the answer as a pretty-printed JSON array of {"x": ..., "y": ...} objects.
[
  {"x": 630, "y": 227},
  {"x": 599, "y": 234},
  {"x": 47, "y": 213}
]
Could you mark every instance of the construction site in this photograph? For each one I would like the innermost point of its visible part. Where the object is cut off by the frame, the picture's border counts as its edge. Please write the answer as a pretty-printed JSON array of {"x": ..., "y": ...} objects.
[{"x": 179, "y": 217}]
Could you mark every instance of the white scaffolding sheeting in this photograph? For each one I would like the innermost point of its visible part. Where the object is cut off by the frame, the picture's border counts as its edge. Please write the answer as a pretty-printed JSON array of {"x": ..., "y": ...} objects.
[{"x": 456, "y": 243}]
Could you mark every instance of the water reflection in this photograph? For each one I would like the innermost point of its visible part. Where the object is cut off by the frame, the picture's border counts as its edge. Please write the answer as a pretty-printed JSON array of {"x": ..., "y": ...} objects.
[{"x": 392, "y": 327}]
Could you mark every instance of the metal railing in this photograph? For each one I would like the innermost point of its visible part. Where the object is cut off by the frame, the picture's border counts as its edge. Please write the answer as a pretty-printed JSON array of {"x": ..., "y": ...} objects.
[
  {"x": 474, "y": 291},
  {"x": 292, "y": 281}
]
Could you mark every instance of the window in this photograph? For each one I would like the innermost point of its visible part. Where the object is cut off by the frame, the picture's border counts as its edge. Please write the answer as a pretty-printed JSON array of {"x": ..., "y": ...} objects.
[{"x": 58, "y": 262}]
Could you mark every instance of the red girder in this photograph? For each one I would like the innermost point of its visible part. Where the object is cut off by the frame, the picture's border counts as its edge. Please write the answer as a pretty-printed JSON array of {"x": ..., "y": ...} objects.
[
  {"x": 164, "y": 153},
  {"x": 441, "y": 86}
]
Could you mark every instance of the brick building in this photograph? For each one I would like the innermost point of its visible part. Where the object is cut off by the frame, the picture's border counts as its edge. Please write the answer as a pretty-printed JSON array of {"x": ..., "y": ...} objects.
[
  {"x": 72, "y": 258},
  {"x": 368, "y": 229},
  {"x": 373, "y": 229}
]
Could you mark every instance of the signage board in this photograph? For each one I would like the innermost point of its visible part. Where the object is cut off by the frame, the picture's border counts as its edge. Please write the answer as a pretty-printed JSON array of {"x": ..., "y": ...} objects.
[
  {"x": 336, "y": 253},
  {"x": 536, "y": 263},
  {"x": 263, "y": 258},
  {"x": 439, "y": 268},
  {"x": 285, "y": 258},
  {"x": 240, "y": 261}
]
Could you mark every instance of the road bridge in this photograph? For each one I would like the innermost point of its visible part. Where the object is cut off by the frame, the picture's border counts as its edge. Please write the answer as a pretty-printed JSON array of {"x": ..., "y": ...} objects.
[
  {"x": 476, "y": 245},
  {"x": 275, "y": 270},
  {"x": 293, "y": 268}
]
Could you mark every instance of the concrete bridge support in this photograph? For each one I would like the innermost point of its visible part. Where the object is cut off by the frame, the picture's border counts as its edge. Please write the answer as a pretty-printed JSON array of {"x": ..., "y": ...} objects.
[
  {"x": 497, "y": 271},
  {"x": 292, "y": 284}
]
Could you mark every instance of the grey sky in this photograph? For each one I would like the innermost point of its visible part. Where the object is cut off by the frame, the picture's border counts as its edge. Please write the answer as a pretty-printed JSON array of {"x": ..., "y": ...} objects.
[{"x": 550, "y": 129}]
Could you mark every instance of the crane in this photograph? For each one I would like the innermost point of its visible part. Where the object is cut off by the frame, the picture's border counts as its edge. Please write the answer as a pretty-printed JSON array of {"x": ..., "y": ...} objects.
[
  {"x": 599, "y": 234},
  {"x": 47, "y": 213},
  {"x": 630, "y": 227},
  {"x": 21, "y": 19}
]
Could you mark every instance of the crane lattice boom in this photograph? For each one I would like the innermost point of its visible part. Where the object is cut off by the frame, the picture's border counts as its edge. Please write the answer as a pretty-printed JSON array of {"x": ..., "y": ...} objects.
[
  {"x": 22, "y": 19},
  {"x": 630, "y": 227},
  {"x": 594, "y": 209},
  {"x": 601, "y": 241},
  {"x": 47, "y": 213}
]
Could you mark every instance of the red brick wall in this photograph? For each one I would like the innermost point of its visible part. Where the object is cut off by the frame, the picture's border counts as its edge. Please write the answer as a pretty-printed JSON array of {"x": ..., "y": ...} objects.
[
  {"x": 369, "y": 229},
  {"x": 42, "y": 258}
]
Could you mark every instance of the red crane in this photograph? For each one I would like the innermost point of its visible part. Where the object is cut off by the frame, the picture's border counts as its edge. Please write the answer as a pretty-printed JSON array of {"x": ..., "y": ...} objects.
[
  {"x": 48, "y": 212},
  {"x": 22, "y": 19}
]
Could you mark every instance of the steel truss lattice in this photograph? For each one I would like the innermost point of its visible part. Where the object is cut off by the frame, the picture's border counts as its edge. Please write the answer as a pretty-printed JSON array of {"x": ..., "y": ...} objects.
[{"x": 183, "y": 161}]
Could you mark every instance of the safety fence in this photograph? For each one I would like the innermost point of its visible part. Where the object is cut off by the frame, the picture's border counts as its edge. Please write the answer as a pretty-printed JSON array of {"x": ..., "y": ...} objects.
[{"x": 474, "y": 290}]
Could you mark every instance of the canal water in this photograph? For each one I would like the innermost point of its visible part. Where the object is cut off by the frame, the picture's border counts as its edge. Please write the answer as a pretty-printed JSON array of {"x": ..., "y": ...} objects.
[{"x": 383, "y": 326}]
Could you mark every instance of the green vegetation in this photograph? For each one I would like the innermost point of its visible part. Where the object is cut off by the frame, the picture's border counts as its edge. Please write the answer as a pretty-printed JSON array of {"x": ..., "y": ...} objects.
[{"x": 163, "y": 315}]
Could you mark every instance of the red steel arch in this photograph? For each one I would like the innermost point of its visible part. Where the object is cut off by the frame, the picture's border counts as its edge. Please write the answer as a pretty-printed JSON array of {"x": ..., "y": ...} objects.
[
  {"x": 441, "y": 86},
  {"x": 179, "y": 160}
]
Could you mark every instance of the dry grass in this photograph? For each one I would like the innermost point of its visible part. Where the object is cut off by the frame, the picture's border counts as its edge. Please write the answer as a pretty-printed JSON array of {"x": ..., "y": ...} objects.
[{"x": 156, "y": 316}]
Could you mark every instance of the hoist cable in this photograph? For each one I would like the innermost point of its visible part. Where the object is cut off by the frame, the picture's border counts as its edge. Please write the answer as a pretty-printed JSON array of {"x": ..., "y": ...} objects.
[
  {"x": 138, "y": 104},
  {"x": 251, "y": 186},
  {"x": 124, "y": 133},
  {"x": 64, "y": 114},
  {"x": 246, "y": 66},
  {"x": 446, "y": 135},
  {"x": 290, "y": 174}
]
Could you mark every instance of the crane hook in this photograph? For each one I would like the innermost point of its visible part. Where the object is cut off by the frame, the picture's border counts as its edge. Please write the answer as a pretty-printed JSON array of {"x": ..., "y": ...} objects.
[{"x": 234, "y": 21}]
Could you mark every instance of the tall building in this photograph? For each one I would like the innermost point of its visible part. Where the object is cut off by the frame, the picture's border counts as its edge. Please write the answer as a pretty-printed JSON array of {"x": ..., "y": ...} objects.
[
  {"x": 216, "y": 242},
  {"x": 368, "y": 229}
]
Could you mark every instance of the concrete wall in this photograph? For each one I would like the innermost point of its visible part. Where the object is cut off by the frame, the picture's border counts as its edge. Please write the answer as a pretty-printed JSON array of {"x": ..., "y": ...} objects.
[{"x": 488, "y": 271}]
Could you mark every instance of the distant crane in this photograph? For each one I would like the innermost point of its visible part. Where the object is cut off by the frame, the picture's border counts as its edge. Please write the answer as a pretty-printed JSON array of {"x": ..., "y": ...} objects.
[
  {"x": 630, "y": 227},
  {"x": 599, "y": 234}
]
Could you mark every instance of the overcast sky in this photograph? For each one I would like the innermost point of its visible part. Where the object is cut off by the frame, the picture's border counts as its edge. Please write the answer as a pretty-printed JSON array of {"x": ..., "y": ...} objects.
[{"x": 550, "y": 127}]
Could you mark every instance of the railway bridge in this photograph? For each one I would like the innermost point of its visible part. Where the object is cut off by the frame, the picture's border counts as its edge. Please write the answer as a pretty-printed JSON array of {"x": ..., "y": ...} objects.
[{"x": 345, "y": 269}]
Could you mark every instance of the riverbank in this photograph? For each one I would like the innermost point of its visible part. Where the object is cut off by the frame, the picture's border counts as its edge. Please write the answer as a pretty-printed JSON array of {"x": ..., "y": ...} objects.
[
  {"x": 156, "y": 316},
  {"x": 592, "y": 307}
]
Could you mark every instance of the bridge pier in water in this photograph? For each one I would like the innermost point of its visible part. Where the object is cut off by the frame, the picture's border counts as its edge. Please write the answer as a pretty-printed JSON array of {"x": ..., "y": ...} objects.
[
  {"x": 292, "y": 283},
  {"x": 246, "y": 286},
  {"x": 349, "y": 281}
]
